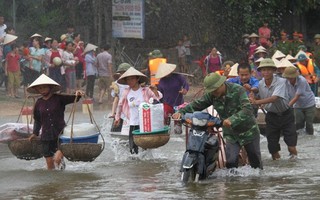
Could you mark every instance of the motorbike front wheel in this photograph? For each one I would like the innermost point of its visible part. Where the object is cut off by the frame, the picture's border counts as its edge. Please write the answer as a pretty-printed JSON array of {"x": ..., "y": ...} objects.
[{"x": 189, "y": 174}]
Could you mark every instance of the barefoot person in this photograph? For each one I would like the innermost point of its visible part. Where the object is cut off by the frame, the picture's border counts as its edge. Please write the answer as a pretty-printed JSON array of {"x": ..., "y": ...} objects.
[
  {"x": 49, "y": 117},
  {"x": 239, "y": 125},
  {"x": 131, "y": 99}
]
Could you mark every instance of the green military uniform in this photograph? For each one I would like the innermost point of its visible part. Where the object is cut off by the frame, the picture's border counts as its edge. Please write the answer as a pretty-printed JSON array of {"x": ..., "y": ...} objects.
[
  {"x": 316, "y": 54},
  {"x": 294, "y": 46},
  {"x": 284, "y": 46},
  {"x": 234, "y": 106}
]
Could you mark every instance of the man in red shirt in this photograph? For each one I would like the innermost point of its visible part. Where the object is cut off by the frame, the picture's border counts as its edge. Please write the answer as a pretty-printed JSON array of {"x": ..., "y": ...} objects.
[{"x": 12, "y": 70}]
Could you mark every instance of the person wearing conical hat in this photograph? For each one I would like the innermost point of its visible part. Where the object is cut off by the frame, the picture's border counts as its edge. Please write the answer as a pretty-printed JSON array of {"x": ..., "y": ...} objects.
[
  {"x": 48, "y": 117},
  {"x": 173, "y": 87},
  {"x": 252, "y": 45},
  {"x": 239, "y": 127},
  {"x": 63, "y": 40},
  {"x": 91, "y": 68},
  {"x": 260, "y": 53},
  {"x": 302, "y": 99},
  {"x": 278, "y": 55},
  {"x": 282, "y": 65},
  {"x": 9, "y": 39},
  {"x": 131, "y": 99},
  {"x": 274, "y": 97}
]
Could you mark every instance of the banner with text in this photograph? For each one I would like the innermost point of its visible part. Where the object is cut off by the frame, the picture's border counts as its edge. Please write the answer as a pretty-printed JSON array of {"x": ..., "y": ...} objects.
[{"x": 128, "y": 19}]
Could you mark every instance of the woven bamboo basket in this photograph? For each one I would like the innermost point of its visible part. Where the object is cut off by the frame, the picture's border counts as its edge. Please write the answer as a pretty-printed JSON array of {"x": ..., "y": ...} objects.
[
  {"x": 24, "y": 149},
  {"x": 85, "y": 152},
  {"x": 86, "y": 149},
  {"x": 151, "y": 140}
]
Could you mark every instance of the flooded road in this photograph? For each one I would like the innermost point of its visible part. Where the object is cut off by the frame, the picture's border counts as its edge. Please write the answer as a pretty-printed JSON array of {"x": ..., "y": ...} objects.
[{"x": 154, "y": 174}]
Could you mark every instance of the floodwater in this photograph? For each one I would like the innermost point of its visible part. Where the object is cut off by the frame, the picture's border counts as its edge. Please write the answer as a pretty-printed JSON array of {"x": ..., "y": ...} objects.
[{"x": 154, "y": 174}]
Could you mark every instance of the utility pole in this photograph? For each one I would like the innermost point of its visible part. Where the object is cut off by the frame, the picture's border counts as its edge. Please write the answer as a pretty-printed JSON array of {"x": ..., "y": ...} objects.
[{"x": 14, "y": 13}]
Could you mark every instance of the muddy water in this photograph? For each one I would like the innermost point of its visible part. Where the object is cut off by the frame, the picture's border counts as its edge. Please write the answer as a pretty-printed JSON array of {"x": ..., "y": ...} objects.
[{"x": 154, "y": 174}]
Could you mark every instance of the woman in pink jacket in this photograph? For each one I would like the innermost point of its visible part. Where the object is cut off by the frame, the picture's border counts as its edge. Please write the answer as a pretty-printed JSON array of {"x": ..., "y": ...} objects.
[{"x": 131, "y": 99}]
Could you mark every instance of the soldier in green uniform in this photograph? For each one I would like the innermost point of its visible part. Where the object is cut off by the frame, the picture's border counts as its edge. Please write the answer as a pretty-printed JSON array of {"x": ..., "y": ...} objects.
[
  {"x": 283, "y": 44},
  {"x": 316, "y": 50},
  {"x": 239, "y": 125},
  {"x": 296, "y": 42}
]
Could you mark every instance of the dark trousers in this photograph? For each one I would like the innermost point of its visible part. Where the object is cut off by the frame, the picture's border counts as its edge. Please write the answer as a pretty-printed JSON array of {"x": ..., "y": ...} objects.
[
  {"x": 253, "y": 153},
  {"x": 304, "y": 118},
  {"x": 90, "y": 85},
  {"x": 277, "y": 124},
  {"x": 133, "y": 147}
]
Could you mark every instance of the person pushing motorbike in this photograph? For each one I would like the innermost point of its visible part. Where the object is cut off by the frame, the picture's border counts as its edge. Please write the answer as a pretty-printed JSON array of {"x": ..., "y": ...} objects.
[{"x": 239, "y": 125}]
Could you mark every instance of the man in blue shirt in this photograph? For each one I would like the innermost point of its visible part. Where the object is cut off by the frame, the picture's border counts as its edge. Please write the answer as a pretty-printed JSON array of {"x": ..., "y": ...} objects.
[{"x": 248, "y": 82}]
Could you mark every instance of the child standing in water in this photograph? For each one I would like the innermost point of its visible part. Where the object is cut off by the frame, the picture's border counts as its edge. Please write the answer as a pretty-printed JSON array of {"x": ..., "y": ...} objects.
[
  {"x": 49, "y": 117},
  {"x": 131, "y": 99}
]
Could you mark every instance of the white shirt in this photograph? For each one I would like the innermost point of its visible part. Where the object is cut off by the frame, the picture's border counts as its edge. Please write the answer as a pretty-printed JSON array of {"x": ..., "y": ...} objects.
[
  {"x": 2, "y": 31},
  {"x": 134, "y": 98}
]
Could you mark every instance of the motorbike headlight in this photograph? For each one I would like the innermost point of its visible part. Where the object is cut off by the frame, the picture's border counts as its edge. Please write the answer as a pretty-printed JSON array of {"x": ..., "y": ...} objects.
[{"x": 199, "y": 122}]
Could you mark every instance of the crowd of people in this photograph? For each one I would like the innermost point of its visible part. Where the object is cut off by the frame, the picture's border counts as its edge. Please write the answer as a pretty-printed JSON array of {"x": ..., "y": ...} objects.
[
  {"x": 278, "y": 77},
  {"x": 66, "y": 60}
]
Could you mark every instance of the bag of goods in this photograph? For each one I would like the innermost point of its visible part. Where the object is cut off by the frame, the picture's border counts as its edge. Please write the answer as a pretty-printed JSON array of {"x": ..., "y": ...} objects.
[
  {"x": 151, "y": 117},
  {"x": 82, "y": 133},
  {"x": 14, "y": 131}
]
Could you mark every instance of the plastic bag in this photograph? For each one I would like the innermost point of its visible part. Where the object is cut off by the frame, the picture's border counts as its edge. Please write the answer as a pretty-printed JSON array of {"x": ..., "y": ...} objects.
[
  {"x": 13, "y": 131},
  {"x": 151, "y": 117}
]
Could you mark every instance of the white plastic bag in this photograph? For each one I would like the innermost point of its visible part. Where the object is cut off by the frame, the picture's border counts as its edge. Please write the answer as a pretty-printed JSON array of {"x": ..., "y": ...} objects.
[{"x": 151, "y": 117}]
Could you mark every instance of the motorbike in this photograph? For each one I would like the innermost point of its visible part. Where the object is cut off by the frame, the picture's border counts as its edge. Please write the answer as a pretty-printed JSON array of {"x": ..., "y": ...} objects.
[{"x": 202, "y": 146}]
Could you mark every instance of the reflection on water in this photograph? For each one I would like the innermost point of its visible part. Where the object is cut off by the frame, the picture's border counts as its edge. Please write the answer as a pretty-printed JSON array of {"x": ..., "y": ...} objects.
[{"x": 154, "y": 174}]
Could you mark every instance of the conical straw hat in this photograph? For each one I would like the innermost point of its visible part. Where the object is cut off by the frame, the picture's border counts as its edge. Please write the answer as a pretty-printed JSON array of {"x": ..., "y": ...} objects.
[
  {"x": 260, "y": 48},
  {"x": 132, "y": 72},
  {"x": 9, "y": 38},
  {"x": 253, "y": 35},
  {"x": 43, "y": 80},
  {"x": 278, "y": 54},
  {"x": 276, "y": 62},
  {"x": 47, "y": 39},
  {"x": 234, "y": 70},
  {"x": 260, "y": 51},
  {"x": 285, "y": 63},
  {"x": 259, "y": 60},
  {"x": 89, "y": 47},
  {"x": 165, "y": 69},
  {"x": 290, "y": 57},
  {"x": 35, "y": 35}
]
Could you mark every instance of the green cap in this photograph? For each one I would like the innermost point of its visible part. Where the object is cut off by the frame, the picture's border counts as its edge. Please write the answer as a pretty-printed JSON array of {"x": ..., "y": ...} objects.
[
  {"x": 213, "y": 81},
  {"x": 267, "y": 62},
  {"x": 290, "y": 72},
  {"x": 123, "y": 67},
  {"x": 156, "y": 54},
  {"x": 302, "y": 57}
]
